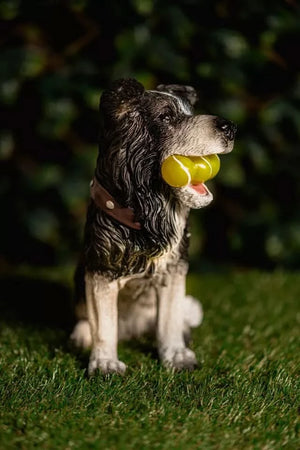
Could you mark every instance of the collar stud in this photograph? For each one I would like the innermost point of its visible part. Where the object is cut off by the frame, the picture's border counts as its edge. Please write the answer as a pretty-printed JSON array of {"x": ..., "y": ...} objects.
[{"x": 109, "y": 204}]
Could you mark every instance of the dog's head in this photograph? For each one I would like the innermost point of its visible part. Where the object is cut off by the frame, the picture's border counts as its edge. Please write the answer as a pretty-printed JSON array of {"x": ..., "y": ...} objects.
[{"x": 141, "y": 128}]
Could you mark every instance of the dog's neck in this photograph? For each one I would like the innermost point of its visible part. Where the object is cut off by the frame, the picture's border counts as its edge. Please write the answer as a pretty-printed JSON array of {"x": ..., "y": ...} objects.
[{"x": 106, "y": 202}]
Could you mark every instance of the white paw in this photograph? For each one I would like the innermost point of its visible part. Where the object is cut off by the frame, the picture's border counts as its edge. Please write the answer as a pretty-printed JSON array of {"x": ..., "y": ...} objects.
[
  {"x": 179, "y": 359},
  {"x": 106, "y": 366},
  {"x": 81, "y": 335}
]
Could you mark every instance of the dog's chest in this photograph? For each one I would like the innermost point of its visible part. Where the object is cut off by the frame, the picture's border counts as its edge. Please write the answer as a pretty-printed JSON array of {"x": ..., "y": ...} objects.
[
  {"x": 157, "y": 270},
  {"x": 117, "y": 252}
]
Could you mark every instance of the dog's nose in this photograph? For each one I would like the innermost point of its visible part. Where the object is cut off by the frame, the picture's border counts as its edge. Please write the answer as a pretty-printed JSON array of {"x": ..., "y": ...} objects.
[{"x": 228, "y": 127}]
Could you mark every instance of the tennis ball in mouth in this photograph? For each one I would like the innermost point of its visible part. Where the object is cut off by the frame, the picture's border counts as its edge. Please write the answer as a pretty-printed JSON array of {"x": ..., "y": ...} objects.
[{"x": 179, "y": 170}]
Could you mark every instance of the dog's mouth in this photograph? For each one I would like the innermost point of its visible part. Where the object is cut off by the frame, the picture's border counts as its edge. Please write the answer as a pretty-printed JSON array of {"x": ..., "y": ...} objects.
[
  {"x": 200, "y": 188},
  {"x": 190, "y": 172}
]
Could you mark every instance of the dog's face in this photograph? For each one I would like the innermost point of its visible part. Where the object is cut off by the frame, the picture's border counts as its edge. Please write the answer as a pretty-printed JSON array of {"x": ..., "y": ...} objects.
[{"x": 149, "y": 126}]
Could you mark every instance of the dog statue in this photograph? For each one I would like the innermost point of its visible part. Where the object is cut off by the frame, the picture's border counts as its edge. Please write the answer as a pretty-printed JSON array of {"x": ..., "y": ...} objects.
[{"x": 131, "y": 277}]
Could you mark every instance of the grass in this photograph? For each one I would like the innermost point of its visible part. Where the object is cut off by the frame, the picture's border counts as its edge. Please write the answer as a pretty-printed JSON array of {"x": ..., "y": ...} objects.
[{"x": 244, "y": 396}]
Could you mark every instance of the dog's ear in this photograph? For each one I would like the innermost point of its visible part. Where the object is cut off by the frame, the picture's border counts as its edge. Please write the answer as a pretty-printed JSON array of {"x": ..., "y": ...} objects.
[
  {"x": 187, "y": 92},
  {"x": 121, "y": 99}
]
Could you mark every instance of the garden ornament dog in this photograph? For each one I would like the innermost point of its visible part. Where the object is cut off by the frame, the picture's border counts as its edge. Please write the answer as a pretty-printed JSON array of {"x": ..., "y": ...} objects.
[{"x": 131, "y": 277}]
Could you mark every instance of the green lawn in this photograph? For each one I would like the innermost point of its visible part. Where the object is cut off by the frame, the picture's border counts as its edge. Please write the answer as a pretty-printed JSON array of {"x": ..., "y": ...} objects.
[{"x": 244, "y": 396}]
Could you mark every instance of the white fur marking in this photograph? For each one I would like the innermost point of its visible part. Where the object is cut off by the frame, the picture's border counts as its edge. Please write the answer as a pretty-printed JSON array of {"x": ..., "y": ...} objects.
[
  {"x": 102, "y": 309},
  {"x": 183, "y": 107},
  {"x": 171, "y": 325}
]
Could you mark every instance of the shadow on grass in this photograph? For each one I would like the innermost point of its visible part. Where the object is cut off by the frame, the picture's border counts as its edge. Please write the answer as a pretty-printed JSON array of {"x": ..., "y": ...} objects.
[
  {"x": 36, "y": 302},
  {"x": 45, "y": 306},
  {"x": 144, "y": 346}
]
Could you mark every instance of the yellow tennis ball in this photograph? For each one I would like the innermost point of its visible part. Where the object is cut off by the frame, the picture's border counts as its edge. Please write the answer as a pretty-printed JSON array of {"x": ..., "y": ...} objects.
[
  {"x": 206, "y": 168},
  {"x": 176, "y": 170},
  {"x": 179, "y": 171},
  {"x": 215, "y": 163}
]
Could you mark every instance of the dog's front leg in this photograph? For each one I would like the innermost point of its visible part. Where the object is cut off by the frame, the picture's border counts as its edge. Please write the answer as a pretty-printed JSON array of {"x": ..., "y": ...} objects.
[
  {"x": 102, "y": 309},
  {"x": 170, "y": 325}
]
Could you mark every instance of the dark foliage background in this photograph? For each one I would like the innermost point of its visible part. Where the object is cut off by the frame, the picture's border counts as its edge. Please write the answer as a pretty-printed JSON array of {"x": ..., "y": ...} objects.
[{"x": 57, "y": 57}]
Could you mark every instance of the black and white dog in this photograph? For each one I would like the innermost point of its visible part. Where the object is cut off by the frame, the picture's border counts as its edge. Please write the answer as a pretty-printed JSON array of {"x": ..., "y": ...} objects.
[{"x": 131, "y": 279}]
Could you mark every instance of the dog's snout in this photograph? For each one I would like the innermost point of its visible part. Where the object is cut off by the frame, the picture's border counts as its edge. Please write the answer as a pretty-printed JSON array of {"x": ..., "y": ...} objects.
[{"x": 227, "y": 127}]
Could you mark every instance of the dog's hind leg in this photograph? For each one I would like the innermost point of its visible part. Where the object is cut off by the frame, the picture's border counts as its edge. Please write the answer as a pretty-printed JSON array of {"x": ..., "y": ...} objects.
[
  {"x": 81, "y": 335},
  {"x": 193, "y": 316},
  {"x": 102, "y": 309},
  {"x": 171, "y": 324},
  {"x": 137, "y": 309}
]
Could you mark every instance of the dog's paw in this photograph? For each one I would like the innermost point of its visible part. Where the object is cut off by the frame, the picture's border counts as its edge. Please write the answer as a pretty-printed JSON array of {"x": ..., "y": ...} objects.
[
  {"x": 106, "y": 366},
  {"x": 81, "y": 335},
  {"x": 179, "y": 359}
]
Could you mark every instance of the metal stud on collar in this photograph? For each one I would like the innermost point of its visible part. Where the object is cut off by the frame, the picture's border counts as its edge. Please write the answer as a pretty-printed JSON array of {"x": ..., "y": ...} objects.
[
  {"x": 103, "y": 200},
  {"x": 109, "y": 204}
]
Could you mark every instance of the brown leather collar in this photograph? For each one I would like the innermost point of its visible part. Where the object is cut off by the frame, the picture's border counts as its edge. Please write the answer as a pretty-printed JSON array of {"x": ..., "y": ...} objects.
[{"x": 110, "y": 206}]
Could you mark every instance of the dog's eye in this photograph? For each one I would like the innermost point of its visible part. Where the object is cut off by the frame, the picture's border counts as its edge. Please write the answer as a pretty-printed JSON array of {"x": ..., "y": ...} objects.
[{"x": 165, "y": 117}]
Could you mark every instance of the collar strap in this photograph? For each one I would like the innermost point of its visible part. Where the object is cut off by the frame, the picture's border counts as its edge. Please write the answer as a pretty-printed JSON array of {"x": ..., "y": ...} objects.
[{"x": 104, "y": 201}]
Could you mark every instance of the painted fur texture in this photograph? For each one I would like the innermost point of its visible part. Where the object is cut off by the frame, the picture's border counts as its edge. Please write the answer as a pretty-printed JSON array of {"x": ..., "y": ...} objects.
[{"x": 132, "y": 281}]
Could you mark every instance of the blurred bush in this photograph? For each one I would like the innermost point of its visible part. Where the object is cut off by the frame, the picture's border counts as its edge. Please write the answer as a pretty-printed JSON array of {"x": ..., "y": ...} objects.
[{"x": 57, "y": 57}]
